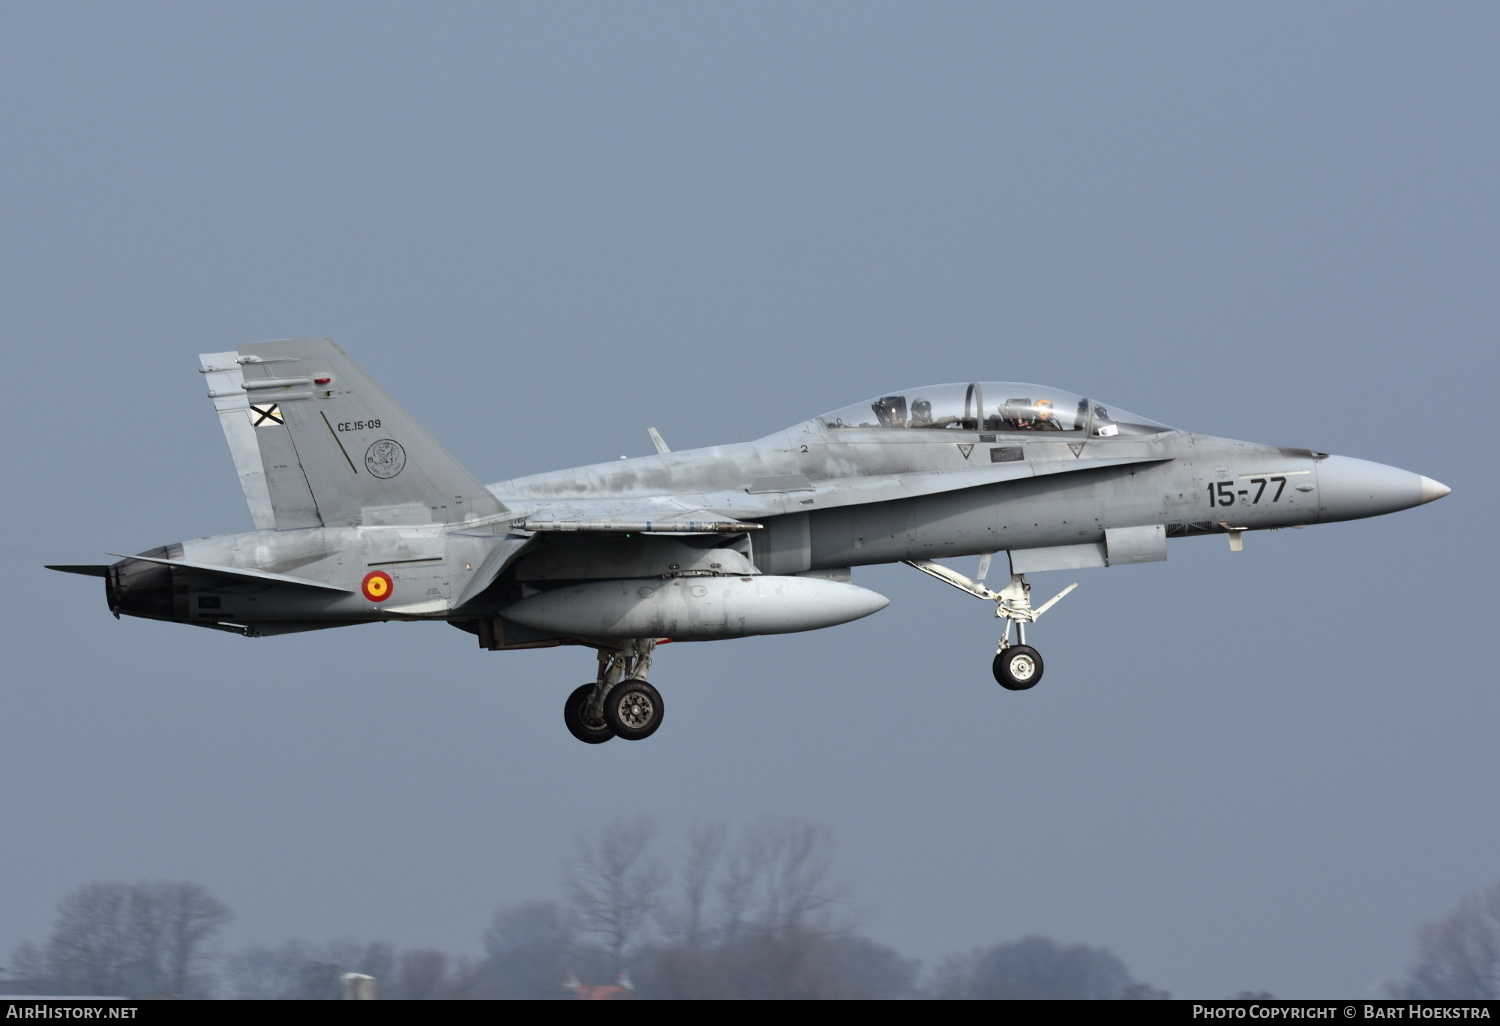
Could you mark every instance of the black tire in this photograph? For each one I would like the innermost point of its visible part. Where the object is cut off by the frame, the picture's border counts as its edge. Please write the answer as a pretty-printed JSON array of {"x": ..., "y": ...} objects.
[
  {"x": 588, "y": 733},
  {"x": 633, "y": 709},
  {"x": 1018, "y": 667}
]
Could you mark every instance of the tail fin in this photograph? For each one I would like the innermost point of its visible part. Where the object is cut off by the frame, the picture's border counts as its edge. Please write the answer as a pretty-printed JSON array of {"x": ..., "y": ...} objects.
[{"x": 317, "y": 443}]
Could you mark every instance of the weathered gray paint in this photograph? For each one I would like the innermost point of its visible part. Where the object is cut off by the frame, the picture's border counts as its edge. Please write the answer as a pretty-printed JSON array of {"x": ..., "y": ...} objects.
[{"x": 812, "y": 500}]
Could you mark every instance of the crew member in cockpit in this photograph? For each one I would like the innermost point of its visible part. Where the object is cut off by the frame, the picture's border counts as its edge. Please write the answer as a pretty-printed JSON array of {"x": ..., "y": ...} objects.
[
  {"x": 1030, "y": 416},
  {"x": 1046, "y": 417}
]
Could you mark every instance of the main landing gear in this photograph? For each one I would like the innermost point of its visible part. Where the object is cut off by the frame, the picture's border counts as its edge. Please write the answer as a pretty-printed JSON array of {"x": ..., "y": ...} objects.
[
  {"x": 1019, "y": 666},
  {"x": 620, "y": 703}
]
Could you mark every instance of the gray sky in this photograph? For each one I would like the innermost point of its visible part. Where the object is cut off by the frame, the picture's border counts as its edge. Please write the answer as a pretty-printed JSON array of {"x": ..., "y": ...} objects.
[{"x": 546, "y": 227}]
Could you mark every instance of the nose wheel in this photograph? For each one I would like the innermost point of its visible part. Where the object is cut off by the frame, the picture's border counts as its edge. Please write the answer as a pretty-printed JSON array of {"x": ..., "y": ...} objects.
[
  {"x": 1016, "y": 667},
  {"x": 619, "y": 703}
]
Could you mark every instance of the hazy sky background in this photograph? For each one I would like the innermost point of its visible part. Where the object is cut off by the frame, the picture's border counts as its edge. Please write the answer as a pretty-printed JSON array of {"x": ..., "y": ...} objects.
[{"x": 546, "y": 227}]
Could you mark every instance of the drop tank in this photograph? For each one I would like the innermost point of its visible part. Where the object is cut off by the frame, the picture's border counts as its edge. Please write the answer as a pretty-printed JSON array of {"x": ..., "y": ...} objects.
[{"x": 695, "y": 608}]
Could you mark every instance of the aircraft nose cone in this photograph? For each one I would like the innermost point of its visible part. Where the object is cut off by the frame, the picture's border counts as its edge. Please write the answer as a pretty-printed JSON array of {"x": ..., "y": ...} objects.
[
  {"x": 1433, "y": 489},
  {"x": 1350, "y": 489}
]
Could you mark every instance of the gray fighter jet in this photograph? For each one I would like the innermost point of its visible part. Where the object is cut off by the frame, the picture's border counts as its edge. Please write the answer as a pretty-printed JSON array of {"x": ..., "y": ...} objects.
[{"x": 360, "y": 516}]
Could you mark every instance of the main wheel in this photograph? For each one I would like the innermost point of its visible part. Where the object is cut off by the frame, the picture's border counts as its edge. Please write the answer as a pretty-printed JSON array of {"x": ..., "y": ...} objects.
[
  {"x": 1018, "y": 667},
  {"x": 633, "y": 709},
  {"x": 590, "y": 732}
]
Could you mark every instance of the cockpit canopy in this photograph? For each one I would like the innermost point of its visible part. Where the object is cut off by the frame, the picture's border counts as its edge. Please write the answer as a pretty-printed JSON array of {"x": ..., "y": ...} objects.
[{"x": 991, "y": 406}]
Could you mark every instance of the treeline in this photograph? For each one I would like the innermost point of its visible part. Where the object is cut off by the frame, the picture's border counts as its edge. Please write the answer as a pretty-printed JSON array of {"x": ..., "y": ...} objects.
[{"x": 758, "y": 913}]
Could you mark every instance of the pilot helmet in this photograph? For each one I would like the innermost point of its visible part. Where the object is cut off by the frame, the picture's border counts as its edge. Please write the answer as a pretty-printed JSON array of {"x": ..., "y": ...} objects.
[{"x": 1044, "y": 410}]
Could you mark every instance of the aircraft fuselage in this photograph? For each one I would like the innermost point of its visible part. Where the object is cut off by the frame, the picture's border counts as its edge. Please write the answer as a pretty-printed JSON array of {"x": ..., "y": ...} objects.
[{"x": 361, "y": 516}]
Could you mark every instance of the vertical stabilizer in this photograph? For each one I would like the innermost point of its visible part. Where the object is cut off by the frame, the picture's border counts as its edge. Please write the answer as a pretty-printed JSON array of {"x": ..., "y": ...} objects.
[{"x": 332, "y": 448}]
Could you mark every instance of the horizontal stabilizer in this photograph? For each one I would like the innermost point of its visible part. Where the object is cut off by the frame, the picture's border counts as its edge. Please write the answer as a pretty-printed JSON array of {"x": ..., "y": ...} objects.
[
  {"x": 88, "y": 570},
  {"x": 240, "y": 572}
]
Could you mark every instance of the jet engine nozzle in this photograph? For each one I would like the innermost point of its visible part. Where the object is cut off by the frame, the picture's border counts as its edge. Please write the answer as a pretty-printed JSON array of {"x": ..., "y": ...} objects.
[
  {"x": 137, "y": 587},
  {"x": 695, "y": 608},
  {"x": 1350, "y": 489}
]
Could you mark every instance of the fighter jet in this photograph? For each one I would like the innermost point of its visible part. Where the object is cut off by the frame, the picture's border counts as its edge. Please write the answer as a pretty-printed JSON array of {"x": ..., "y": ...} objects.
[{"x": 360, "y": 515}]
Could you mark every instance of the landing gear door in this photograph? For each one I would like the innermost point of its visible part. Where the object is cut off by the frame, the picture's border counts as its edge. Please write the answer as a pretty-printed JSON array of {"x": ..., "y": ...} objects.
[{"x": 1135, "y": 544}]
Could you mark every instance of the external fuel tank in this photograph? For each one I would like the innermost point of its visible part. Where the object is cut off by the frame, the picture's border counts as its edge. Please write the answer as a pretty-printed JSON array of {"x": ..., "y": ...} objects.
[{"x": 695, "y": 608}]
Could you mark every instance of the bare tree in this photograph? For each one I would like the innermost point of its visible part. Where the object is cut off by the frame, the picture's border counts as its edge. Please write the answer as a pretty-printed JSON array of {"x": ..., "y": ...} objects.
[
  {"x": 797, "y": 873},
  {"x": 700, "y": 863},
  {"x": 172, "y": 925},
  {"x": 686, "y": 967},
  {"x": 780, "y": 878},
  {"x": 736, "y": 889},
  {"x": 614, "y": 885},
  {"x": 89, "y": 951},
  {"x": 117, "y": 938},
  {"x": 1458, "y": 956},
  {"x": 760, "y": 922}
]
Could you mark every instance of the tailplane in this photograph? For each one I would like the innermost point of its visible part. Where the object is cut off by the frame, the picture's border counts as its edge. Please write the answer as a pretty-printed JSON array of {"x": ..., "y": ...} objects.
[{"x": 317, "y": 443}]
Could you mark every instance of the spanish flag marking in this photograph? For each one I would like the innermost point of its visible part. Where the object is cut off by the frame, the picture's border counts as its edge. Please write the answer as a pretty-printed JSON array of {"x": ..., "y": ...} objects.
[{"x": 377, "y": 586}]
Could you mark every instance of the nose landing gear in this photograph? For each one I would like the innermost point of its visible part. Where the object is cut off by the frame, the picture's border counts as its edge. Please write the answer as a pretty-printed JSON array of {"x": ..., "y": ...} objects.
[
  {"x": 1016, "y": 667},
  {"x": 620, "y": 703}
]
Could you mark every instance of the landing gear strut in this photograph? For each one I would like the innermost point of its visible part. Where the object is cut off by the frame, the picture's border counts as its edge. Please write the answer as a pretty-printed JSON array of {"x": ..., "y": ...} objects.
[
  {"x": 619, "y": 703},
  {"x": 1019, "y": 666}
]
